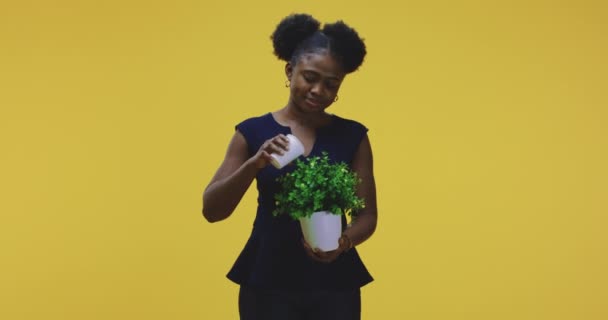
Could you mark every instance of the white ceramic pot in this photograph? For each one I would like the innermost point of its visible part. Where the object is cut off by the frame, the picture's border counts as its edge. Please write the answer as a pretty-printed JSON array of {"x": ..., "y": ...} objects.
[{"x": 322, "y": 230}]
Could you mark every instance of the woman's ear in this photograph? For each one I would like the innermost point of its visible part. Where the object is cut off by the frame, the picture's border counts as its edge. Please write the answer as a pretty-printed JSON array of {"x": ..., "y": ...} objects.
[{"x": 288, "y": 70}]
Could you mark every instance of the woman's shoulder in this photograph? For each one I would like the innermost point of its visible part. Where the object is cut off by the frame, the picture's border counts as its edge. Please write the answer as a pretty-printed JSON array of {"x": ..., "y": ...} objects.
[
  {"x": 255, "y": 123},
  {"x": 348, "y": 124},
  {"x": 256, "y": 120}
]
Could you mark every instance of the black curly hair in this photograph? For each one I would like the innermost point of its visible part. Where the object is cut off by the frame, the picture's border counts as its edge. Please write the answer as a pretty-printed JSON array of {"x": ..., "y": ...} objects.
[{"x": 298, "y": 34}]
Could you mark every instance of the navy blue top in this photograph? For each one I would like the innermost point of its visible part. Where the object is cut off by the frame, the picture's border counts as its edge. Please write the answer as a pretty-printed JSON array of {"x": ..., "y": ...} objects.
[{"x": 274, "y": 257}]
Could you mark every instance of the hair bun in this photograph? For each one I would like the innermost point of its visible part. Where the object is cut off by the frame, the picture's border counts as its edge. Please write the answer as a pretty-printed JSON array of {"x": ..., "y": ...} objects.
[
  {"x": 290, "y": 32},
  {"x": 347, "y": 44}
]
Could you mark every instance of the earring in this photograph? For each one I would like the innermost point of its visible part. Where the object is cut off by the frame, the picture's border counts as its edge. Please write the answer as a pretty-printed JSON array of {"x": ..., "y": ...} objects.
[
  {"x": 336, "y": 98},
  {"x": 287, "y": 83}
]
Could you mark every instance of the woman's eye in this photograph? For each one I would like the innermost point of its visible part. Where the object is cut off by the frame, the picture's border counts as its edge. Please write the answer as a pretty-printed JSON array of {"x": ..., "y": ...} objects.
[
  {"x": 331, "y": 86},
  {"x": 309, "y": 78}
]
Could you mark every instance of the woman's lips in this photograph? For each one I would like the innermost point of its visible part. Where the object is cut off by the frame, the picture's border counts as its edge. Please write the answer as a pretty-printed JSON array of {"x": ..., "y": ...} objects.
[{"x": 314, "y": 103}]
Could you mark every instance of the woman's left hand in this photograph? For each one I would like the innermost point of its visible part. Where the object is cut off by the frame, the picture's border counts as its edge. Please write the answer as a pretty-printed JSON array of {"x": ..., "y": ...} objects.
[{"x": 327, "y": 256}]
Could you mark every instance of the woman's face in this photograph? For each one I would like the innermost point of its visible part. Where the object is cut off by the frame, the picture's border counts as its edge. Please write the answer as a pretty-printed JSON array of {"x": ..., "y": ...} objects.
[{"x": 315, "y": 81}]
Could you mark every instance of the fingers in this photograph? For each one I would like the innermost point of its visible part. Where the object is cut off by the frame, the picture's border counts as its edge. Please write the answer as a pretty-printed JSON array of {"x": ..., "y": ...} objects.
[
  {"x": 279, "y": 144},
  {"x": 341, "y": 242},
  {"x": 305, "y": 244},
  {"x": 266, "y": 156},
  {"x": 327, "y": 255},
  {"x": 283, "y": 141},
  {"x": 312, "y": 253},
  {"x": 321, "y": 256}
]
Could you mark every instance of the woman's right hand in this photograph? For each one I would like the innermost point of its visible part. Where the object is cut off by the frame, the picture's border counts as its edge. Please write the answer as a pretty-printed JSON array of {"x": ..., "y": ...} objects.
[{"x": 278, "y": 144}]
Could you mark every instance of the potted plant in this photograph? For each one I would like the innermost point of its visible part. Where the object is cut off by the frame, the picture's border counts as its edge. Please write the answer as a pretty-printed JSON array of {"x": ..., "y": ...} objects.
[{"x": 318, "y": 193}]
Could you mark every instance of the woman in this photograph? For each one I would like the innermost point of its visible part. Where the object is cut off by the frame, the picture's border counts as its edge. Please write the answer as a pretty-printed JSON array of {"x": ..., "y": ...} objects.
[{"x": 280, "y": 276}]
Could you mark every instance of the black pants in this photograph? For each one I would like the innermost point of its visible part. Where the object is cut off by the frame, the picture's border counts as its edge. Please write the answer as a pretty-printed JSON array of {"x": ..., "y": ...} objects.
[{"x": 257, "y": 304}]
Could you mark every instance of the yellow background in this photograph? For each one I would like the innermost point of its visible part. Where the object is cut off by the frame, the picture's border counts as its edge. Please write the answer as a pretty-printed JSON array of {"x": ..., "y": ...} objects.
[{"x": 488, "y": 121}]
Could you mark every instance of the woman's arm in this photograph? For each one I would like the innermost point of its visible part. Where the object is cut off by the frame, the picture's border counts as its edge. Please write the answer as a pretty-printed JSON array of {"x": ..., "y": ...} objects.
[
  {"x": 235, "y": 175},
  {"x": 364, "y": 224},
  {"x": 230, "y": 182}
]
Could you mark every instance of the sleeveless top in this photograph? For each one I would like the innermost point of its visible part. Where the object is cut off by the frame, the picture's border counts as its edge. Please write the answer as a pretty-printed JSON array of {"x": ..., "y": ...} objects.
[{"x": 274, "y": 257}]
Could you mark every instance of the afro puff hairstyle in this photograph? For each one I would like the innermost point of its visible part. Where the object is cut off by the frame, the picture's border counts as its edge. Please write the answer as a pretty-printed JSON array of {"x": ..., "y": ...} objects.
[{"x": 298, "y": 34}]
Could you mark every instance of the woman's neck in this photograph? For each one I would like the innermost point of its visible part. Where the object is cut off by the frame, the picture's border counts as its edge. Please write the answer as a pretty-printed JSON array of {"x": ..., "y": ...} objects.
[{"x": 291, "y": 115}]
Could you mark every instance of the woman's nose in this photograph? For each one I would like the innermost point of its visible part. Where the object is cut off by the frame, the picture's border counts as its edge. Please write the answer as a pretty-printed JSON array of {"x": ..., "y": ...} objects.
[{"x": 316, "y": 88}]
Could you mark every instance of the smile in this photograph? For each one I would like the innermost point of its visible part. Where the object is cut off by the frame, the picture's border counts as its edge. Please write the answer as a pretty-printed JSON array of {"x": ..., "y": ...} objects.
[{"x": 314, "y": 103}]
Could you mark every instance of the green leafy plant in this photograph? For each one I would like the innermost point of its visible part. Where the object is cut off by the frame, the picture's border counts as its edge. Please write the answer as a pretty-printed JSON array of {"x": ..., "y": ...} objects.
[{"x": 318, "y": 185}]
